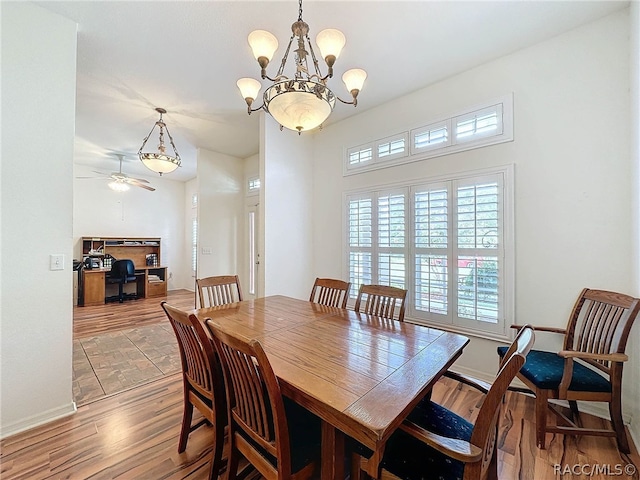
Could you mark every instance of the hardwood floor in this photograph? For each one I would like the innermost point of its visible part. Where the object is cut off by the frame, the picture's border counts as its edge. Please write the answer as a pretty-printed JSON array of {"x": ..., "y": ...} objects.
[
  {"x": 134, "y": 434},
  {"x": 88, "y": 321}
]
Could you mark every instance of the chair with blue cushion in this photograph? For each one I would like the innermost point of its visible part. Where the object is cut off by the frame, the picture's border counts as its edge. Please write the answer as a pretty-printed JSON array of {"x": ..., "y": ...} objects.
[
  {"x": 280, "y": 438},
  {"x": 434, "y": 442},
  {"x": 588, "y": 368}
]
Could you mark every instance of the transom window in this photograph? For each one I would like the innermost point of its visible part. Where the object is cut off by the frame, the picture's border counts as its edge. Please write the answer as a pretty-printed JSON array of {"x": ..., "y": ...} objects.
[{"x": 476, "y": 127}]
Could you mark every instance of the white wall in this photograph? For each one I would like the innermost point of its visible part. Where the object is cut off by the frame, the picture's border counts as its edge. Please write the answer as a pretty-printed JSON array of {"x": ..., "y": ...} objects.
[
  {"x": 38, "y": 122},
  {"x": 632, "y": 369},
  {"x": 220, "y": 213},
  {"x": 287, "y": 188},
  {"x": 572, "y": 169},
  {"x": 98, "y": 211}
]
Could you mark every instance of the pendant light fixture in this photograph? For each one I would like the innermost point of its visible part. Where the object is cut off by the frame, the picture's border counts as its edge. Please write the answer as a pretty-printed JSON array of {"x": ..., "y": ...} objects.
[
  {"x": 304, "y": 101},
  {"x": 160, "y": 162}
]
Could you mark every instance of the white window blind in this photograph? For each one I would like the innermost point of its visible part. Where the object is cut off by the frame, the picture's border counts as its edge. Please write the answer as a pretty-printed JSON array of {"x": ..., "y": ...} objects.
[
  {"x": 479, "y": 124},
  {"x": 391, "y": 239},
  {"x": 360, "y": 241},
  {"x": 360, "y": 155},
  {"x": 443, "y": 242},
  {"x": 430, "y": 137}
]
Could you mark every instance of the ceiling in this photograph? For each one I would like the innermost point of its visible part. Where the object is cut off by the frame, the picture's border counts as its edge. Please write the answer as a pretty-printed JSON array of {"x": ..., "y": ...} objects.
[{"x": 186, "y": 57}]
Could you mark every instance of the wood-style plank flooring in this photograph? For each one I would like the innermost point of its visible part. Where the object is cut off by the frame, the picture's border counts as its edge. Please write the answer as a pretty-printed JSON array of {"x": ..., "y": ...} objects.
[{"x": 134, "y": 434}]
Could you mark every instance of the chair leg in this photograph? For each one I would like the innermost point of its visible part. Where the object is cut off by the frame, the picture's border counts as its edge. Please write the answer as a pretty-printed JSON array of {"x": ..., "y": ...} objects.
[
  {"x": 186, "y": 423},
  {"x": 542, "y": 399},
  {"x": 615, "y": 410},
  {"x": 232, "y": 465},
  {"x": 575, "y": 413},
  {"x": 356, "y": 472}
]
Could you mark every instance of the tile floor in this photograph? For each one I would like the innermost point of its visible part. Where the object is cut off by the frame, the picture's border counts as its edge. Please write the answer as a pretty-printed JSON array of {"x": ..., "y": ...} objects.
[{"x": 113, "y": 362}]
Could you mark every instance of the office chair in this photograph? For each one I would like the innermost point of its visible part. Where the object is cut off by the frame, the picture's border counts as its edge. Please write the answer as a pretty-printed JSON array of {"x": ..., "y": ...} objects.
[{"x": 122, "y": 271}]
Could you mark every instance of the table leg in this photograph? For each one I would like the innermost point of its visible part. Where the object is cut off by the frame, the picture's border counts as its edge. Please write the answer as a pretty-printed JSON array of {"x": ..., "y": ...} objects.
[{"x": 333, "y": 453}]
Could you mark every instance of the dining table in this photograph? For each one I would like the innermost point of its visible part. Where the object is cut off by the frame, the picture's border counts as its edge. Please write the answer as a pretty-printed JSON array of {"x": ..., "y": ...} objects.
[{"x": 361, "y": 374}]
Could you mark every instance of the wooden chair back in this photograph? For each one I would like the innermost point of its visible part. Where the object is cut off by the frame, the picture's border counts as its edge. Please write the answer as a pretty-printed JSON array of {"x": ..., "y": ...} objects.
[
  {"x": 382, "y": 301},
  {"x": 330, "y": 292},
  {"x": 218, "y": 290},
  {"x": 600, "y": 323},
  {"x": 202, "y": 381},
  {"x": 256, "y": 405},
  {"x": 485, "y": 429}
]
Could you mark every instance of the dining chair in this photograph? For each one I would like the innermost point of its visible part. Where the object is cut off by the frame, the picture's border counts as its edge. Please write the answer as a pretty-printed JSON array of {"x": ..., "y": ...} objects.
[
  {"x": 218, "y": 290},
  {"x": 278, "y": 437},
  {"x": 203, "y": 383},
  {"x": 330, "y": 292},
  {"x": 382, "y": 301},
  {"x": 434, "y": 442},
  {"x": 588, "y": 368}
]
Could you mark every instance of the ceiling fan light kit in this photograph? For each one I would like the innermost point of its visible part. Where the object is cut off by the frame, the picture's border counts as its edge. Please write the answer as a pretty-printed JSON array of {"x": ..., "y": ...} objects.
[
  {"x": 305, "y": 101},
  {"x": 120, "y": 182},
  {"x": 160, "y": 162}
]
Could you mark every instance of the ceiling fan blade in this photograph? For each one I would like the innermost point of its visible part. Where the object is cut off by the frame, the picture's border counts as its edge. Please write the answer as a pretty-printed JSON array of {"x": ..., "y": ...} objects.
[
  {"x": 101, "y": 173},
  {"x": 151, "y": 189},
  {"x": 134, "y": 181},
  {"x": 141, "y": 180}
]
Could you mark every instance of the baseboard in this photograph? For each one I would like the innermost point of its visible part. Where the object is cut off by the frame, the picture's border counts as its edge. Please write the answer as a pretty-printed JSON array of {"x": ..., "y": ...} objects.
[
  {"x": 37, "y": 420},
  {"x": 598, "y": 409},
  {"x": 634, "y": 431}
]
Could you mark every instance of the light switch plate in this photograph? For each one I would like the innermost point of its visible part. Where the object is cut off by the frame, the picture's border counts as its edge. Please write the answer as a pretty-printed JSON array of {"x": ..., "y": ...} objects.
[{"x": 56, "y": 261}]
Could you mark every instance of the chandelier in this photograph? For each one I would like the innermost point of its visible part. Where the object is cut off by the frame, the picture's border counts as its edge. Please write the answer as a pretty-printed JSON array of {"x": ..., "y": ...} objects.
[
  {"x": 160, "y": 162},
  {"x": 304, "y": 101}
]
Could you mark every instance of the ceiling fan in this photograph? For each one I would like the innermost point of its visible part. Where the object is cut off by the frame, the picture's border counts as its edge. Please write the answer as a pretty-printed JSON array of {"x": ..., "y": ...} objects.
[{"x": 120, "y": 182}]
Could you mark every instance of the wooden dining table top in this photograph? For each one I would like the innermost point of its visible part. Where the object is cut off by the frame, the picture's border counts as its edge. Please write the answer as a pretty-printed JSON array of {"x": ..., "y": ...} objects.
[{"x": 360, "y": 374}]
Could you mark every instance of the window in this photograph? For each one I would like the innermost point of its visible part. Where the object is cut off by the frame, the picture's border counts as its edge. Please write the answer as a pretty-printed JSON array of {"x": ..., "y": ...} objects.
[
  {"x": 479, "y": 124},
  {"x": 194, "y": 234},
  {"x": 378, "y": 152},
  {"x": 475, "y": 127},
  {"x": 432, "y": 136},
  {"x": 360, "y": 155},
  {"x": 253, "y": 186},
  {"x": 443, "y": 241}
]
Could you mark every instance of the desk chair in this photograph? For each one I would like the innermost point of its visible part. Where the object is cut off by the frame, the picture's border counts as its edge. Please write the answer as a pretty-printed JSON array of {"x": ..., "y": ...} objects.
[{"x": 122, "y": 271}]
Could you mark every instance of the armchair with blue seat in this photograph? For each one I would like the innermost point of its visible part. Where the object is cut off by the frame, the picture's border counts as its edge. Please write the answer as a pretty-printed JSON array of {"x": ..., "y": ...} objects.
[
  {"x": 588, "y": 368},
  {"x": 122, "y": 271}
]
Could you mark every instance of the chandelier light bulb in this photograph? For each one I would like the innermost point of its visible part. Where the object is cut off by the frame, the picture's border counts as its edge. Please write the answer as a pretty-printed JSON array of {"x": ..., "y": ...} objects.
[
  {"x": 263, "y": 44},
  {"x": 249, "y": 88},
  {"x": 354, "y": 79},
  {"x": 330, "y": 42}
]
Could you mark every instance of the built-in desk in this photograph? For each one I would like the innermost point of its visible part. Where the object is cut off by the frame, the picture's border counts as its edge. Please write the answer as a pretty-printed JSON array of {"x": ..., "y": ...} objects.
[{"x": 94, "y": 284}]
